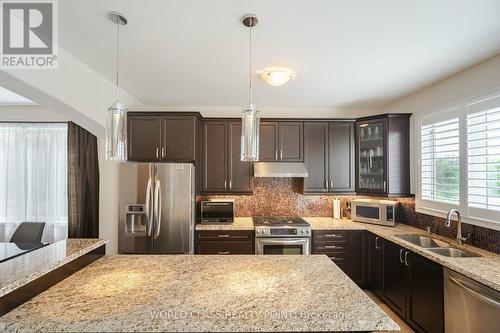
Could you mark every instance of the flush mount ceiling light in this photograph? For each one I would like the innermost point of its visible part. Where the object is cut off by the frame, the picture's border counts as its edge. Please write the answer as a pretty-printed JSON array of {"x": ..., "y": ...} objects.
[
  {"x": 277, "y": 76},
  {"x": 251, "y": 114},
  {"x": 116, "y": 147}
]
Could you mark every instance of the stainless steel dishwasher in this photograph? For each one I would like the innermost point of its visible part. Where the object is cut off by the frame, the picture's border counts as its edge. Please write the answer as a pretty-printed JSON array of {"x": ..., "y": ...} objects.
[{"x": 469, "y": 307}]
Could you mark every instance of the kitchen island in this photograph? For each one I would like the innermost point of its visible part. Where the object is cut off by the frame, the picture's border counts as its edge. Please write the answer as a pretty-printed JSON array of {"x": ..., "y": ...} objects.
[
  {"x": 202, "y": 293},
  {"x": 31, "y": 273}
]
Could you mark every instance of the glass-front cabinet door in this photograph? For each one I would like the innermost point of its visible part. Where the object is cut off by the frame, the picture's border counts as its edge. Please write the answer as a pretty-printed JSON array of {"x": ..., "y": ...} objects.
[{"x": 371, "y": 156}]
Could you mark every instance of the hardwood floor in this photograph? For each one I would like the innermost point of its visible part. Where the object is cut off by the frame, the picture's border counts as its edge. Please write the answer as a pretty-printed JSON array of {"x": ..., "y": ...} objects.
[{"x": 404, "y": 327}]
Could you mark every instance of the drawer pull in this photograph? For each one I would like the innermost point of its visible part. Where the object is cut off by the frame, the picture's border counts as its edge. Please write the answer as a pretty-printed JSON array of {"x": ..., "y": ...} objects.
[
  {"x": 333, "y": 247},
  {"x": 223, "y": 252},
  {"x": 223, "y": 236},
  {"x": 333, "y": 236}
]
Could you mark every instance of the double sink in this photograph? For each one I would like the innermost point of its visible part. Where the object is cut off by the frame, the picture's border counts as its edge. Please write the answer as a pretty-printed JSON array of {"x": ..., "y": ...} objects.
[{"x": 437, "y": 246}]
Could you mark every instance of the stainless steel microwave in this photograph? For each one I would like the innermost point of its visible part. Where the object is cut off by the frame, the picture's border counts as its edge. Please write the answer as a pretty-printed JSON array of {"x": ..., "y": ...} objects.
[
  {"x": 217, "y": 211},
  {"x": 382, "y": 212}
]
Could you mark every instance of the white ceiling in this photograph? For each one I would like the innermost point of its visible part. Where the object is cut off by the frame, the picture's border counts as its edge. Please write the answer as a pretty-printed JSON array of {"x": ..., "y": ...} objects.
[
  {"x": 8, "y": 97},
  {"x": 345, "y": 53}
]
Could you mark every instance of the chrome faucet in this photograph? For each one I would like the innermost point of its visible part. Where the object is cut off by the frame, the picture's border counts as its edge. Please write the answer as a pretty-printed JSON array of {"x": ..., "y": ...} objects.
[{"x": 460, "y": 239}]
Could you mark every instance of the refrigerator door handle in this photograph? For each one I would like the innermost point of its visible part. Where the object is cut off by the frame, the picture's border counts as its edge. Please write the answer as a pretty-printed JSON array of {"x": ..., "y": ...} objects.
[
  {"x": 149, "y": 204},
  {"x": 158, "y": 206}
]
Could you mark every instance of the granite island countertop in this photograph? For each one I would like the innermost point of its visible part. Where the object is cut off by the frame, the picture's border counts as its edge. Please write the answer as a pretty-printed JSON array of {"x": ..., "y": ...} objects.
[
  {"x": 484, "y": 269},
  {"x": 202, "y": 293},
  {"x": 21, "y": 270}
]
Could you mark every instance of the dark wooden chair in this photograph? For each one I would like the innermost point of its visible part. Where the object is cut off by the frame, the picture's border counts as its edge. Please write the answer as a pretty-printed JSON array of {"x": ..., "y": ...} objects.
[{"x": 28, "y": 232}]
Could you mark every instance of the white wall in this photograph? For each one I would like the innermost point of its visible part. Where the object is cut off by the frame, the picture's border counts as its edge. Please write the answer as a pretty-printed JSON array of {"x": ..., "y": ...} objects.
[
  {"x": 29, "y": 113},
  {"x": 272, "y": 112},
  {"x": 108, "y": 201},
  {"x": 73, "y": 90},
  {"x": 480, "y": 79}
]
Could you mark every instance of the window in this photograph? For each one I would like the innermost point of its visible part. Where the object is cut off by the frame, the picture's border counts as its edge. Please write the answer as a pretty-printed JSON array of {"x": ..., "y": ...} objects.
[
  {"x": 33, "y": 172},
  {"x": 440, "y": 161},
  {"x": 483, "y": 157},
  {"x": 459, "y": 162}
]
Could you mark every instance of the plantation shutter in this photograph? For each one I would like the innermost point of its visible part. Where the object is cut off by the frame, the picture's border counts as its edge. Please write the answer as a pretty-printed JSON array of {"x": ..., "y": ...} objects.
[
  {"x": 439, "y": 161},
  {"x": 483, "y": 157}
]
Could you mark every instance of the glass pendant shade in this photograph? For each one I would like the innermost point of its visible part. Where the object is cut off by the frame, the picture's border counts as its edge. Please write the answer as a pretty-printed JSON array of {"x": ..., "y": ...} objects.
[
  {"x": 250, "y": 133},
  {"x": 116, "y": 132}
]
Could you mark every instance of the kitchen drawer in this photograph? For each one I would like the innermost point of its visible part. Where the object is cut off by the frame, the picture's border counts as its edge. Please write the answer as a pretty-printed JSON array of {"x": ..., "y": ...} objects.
[
  {"x": 338, "y": 258},
  {"x": 224, "y": 235},
  {"x": 332, "y": 247},
  {"x": 224, "y": 247},
  {"x": 329, "y": 235}
]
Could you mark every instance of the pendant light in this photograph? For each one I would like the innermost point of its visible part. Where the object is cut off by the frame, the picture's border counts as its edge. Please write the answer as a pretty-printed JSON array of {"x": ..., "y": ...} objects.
[
  {"x": 116, "y": 132},
  {"x": 251, "y": 114}
]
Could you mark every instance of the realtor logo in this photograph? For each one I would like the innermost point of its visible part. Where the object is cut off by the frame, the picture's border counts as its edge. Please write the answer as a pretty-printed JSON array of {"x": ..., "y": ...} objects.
[{"x": 29, "y": 34}]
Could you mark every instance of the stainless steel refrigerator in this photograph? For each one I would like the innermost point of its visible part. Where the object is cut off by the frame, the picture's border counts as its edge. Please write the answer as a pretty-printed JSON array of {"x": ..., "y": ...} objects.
[{"x": 157, "y": 207}]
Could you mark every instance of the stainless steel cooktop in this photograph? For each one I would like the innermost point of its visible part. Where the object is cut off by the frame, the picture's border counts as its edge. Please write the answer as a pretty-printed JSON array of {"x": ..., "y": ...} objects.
[{"x": 277, "y": 221}]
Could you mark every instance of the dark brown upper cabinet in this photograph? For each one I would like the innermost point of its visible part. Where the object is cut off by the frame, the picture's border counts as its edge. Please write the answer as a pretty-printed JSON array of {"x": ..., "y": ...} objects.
[
  {"x": 281, "y": 141},
  {"x": 161, "y": 137},
  {"x": 382, "y": 155},
  {"x": 329, "y": 157},
  {"x": 223, "y": 171},
  {"x": 143, "y": 138}
]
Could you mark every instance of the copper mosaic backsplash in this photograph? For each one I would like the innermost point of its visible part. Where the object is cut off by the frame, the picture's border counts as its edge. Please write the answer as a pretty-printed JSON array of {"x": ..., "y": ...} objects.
[{"x": 282, "y": 197}]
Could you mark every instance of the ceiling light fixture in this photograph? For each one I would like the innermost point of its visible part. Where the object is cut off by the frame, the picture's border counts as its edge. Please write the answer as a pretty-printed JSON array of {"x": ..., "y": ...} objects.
[
  {"x": 116, "y": 141},
  {"x": 251, "y": 114},
  {"x": 277, "y": 76}
]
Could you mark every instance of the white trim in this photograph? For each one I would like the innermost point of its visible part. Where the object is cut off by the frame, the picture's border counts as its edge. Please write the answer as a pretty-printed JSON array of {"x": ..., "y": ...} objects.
[
  {"x": 439, "y": 209},
  {"x": 473, "y": 221}
]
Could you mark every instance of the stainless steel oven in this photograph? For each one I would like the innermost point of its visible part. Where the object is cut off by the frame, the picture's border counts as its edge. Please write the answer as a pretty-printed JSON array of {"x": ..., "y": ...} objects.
[
  {"x": 282, "y": 235},
  {"x": 282, "y": 245}
]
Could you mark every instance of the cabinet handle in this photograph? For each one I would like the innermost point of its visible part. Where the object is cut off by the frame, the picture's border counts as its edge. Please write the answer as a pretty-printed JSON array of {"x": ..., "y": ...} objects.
[
  {"x": 223, "y": 236},
  {"x": 376, "y": 243},
  {"x": 401, "y": 255},
  {"x": 385, "y": 186},
  {"x": 225, "y": 184},
  {"x": 281, "y": 154},
  {"x": 333, "y": 236},
  {"x": 332, "y": 247},
  {"x": 223, "y": 252},
  {"x": 230, "y": 184},
  {"x": 163, "y": 152},
  {"x": 326, "y": 184},
  {"x": 157, "y": 153},
  {"x": 406, "y": 258},
  {"x": 331, "y": 183},
  {"x": 276, "y": 154}
]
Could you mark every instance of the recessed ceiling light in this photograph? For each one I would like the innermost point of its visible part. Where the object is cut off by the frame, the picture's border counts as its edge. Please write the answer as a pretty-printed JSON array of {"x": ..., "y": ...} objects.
[{"x": 277, "y": 76}]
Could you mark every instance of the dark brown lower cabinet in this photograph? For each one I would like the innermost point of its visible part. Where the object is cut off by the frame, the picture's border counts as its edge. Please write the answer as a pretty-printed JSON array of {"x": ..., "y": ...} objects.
[
  {"x": 346, "y": 248},
  {"x": 224, "y": 242},
  {"x": 394, "y": 280},
  {"x": 375, "y": 263},
  {"x": 425, "y": 307},
  {"x": 411, "y": 285}
]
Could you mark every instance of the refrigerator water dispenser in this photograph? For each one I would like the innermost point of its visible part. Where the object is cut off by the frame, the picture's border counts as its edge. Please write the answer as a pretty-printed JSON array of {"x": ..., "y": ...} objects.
[{"x": 136, "y": 220}]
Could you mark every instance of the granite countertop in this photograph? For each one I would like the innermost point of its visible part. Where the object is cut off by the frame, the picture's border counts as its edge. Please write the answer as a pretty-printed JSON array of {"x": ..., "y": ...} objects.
[
  {"x": 19, "y": 271},
  {"x": 485, "y": 269},
  {"x": 240, "y": 223},
  {"x": 202, "y": 293}
]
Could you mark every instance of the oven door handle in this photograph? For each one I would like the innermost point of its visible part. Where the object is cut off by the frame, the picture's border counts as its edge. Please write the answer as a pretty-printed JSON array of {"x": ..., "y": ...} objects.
[{"x": 283, "y": 241}]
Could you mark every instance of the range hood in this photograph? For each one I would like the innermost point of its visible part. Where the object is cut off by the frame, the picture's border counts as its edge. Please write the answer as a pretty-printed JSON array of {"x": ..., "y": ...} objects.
[{"x": 279, "y": 169}]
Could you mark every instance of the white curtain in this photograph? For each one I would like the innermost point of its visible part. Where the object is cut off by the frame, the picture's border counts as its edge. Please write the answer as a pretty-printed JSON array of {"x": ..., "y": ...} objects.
[{"x": 33, "y": 173}]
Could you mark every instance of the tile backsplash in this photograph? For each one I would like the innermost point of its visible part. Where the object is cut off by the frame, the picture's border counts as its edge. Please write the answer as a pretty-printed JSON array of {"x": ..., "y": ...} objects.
[{"x": 282, "y": 197}]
